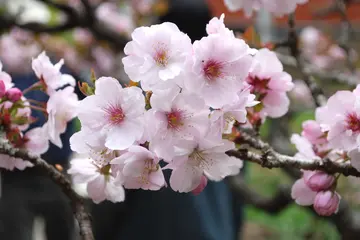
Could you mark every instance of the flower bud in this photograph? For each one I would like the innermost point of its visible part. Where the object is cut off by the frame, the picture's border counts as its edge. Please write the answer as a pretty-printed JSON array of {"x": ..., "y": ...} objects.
[
  {"x": 201, "y": 186},
  {"x": 326, "y": 203},
  {"x": 2, "y": 88},
  {"x": 319, "y": 181},
  {"x": 14, "y": 94}
]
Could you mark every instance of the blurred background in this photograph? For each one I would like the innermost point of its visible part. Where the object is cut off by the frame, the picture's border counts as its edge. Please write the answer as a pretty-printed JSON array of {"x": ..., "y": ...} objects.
[{"x": 90, "y": 35}]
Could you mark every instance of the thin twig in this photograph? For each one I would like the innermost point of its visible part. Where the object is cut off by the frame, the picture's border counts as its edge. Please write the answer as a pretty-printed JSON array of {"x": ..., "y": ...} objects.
[
  {"x": 293, "y": 44},
  {"x": 77, "y": 201}
]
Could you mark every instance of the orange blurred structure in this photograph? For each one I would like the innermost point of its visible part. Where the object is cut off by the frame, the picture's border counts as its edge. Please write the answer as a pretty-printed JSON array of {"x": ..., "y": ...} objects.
[{"x": 304, "y": 13}]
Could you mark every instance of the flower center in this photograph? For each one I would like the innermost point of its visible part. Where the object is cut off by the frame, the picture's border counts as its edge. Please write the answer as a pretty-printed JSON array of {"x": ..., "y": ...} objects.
[
  {"x": 161, "y": 56},
  {"x": 149, "y": 168},
  {"x": 212, "y": 69},
  {"x": 175, "y": 119},
  {"x": 258, "y": 85},
  {"x": 353, "y": 122},
  {"x": 115, "y": 114}
]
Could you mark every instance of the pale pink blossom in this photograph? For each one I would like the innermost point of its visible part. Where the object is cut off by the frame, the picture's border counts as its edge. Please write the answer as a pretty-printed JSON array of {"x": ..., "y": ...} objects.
[
  {"x": 110, "y": 14},
  {"x": 220, "y": 65},
  {"x": 102, "y": 180},
  {"x": 61, "y": 108},
  {"x": 201, "y": 186},
  {"x": 312, "y": 132},
  {"x": 341, "y": 118},
  {"x": 270, "y": 83},
  {"x": 156, "y": 54},
  {"x": 10, "y": 163},
  {"x": 101, "y": 184},
  {"x": 236, "y": 111},
  {"x": 217, "y": 26},
  {"x": 175, "y": 116},
  {"x": 5, "y": 78},
  {"x": 205, "y": 156},
  {"x": 17, "y": 49},
  {"x": 140, "y": 169},
  {"x": 115, "y": 112},
  {"x": 13, "y": 94},
  {"x": 305, "y": 148},
  {"x": 327, "y": 203},
  {"x": 318, "y": 180},
  {"x": 50, "y": 74},
  {"x": 37, "y": 141},
  {"x": 302, "y": 194},
  {"x": 301, "y": 94},
  {"x": 2, "y": 89}
]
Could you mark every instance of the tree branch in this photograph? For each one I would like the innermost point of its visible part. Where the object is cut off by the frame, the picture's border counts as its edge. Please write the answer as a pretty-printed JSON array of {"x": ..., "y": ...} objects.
[
  {"x": 293, "y": 45},
  {"x": 77, "y": 201}
]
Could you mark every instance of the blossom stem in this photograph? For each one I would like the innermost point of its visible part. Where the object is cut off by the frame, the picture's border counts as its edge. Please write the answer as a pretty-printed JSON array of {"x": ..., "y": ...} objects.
[
  {"x": 38, "y": 108},
  {"x": 31, "y": 88}
]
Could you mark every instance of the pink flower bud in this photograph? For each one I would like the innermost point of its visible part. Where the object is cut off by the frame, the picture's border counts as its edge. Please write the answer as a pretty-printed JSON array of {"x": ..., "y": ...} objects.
[
  {"x": 326, "y": 203},
  {"x": 13, "y": 94},
  {"x": 201, "y": 186},
  {"x": 319, "y": 181},
  {"x": 312, "y": 132},
  {"x": 2, "y": 88}
]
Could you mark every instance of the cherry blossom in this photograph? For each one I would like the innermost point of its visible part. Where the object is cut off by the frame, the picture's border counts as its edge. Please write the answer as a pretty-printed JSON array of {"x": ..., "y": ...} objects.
[
  {"x": 37, "y": 141},
  {"x": 157, "y": 53},
  {"x": 228, "y": 114},
  {"x": 326, "y": 203},
  {"x": 49, "y": 74},
  {"x": 312, "y": 132},
  {"x": 318, "y": 181},
  {"x": 10, "y": 163},
  {"x": 201, "y": 186},
  {"x": 270, "y": 83},
  {"x": 101, "y": 184},
  {"x": 302, "y": 194},
  {"x": 5, "y": 78},
  {"x": 220, "y": 65},
  {"x": 217, "y": 26},
  {"x": 175, "y": 116},
  {"x": 115, "y": 112},
  {"x": 95, "y": 169},
  {"x": 341, "y": 118},
  {"x": 61, "y": 108},
  {"x": 13, "y": 94},
  {"x": 140, "y": 169},
  {"x": 205, "y": 156}
]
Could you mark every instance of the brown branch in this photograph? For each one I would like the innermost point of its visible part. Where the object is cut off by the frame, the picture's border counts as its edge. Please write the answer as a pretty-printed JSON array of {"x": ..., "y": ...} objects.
[
  {"x": 266, "y": 156},
  {"x": 293, "y": 45},
  {"x": 77, "y": 201}
]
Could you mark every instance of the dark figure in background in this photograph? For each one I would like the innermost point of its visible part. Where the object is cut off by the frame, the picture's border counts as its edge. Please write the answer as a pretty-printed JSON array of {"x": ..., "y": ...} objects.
[
  {"x": 28, "y": 194},
  {"x": 165, "y": 214}
]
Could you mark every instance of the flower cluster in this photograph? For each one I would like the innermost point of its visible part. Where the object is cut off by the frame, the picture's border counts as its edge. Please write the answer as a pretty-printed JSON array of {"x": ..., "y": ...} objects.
[
  {"x": 273, "y": 6},
  {"x": 15, "y": 110},
  {"x": 190, "y": 97},
  {"x": 334, "y": 136},
  {"x": 315, "y": 187}
]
